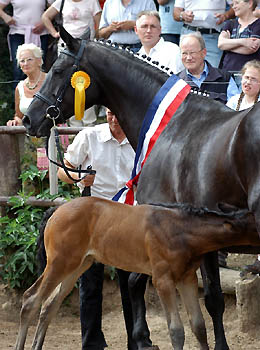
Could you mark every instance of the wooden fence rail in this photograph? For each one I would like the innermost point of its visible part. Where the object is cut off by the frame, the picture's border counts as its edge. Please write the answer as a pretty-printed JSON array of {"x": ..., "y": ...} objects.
[{"x": 10, "y": 164}]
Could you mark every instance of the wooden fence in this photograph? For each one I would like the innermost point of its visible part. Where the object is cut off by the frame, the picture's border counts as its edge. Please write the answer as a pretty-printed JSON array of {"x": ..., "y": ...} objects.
[{"x": 10, "y": 160}]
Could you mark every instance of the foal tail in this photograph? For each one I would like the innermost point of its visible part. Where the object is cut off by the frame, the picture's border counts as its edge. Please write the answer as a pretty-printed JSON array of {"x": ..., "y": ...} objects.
[{"x": 41, "y": 253}]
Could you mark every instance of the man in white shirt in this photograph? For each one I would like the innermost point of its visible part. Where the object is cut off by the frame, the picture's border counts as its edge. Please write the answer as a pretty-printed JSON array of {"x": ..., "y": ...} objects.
[
  {"x": 107, "y": 149},
  {"x": 148, "y": 29}
]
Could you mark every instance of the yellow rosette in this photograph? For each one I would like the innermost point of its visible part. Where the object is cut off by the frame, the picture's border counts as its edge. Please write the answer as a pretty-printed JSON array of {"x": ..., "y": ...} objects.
[{"x": 80, "y": 81}]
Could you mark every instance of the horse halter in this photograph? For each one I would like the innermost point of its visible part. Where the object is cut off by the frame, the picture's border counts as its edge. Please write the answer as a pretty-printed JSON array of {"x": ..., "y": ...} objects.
[{"x": 53, "y": 111}]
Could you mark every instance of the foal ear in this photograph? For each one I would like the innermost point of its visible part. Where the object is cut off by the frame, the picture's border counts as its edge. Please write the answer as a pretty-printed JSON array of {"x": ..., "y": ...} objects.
[
  {"x": 67, "y": 38},
  {"x": 86, "y": 34}
]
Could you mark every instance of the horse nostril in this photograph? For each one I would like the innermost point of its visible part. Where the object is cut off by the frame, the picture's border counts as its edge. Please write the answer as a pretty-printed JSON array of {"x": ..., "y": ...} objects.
[{"x": 26, "y": 121}]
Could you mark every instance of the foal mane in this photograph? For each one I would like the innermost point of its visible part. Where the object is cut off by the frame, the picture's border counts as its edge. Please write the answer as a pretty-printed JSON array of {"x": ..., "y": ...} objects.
[{"x": 202, "y": 211}]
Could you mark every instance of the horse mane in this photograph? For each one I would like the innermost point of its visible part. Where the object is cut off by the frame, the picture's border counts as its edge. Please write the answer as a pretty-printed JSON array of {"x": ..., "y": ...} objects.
[
  {"x": 147, "y": 61},
  {"x": 202, "y": 211}
]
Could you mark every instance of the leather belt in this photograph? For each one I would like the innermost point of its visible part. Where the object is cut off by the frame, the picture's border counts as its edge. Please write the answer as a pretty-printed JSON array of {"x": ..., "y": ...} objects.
[{"x": 200, "y": 29}]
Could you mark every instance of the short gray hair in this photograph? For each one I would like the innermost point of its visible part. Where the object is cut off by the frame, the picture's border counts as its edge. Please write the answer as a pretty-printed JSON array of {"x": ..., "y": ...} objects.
[
  {"x": 153, "y": 13},
  {"x": 196, "y": 35},
  {"x": 37, "y": 51}
]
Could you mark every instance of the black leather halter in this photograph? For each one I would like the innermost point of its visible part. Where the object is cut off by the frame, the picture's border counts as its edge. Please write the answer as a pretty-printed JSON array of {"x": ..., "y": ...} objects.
[{"x": 53, "y": 111}]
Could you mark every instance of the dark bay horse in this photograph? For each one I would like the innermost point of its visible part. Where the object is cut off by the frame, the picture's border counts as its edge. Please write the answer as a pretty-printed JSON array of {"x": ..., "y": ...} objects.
[
  {"x": 165, "y": 242},
  {"x": 206, "y": 155}
]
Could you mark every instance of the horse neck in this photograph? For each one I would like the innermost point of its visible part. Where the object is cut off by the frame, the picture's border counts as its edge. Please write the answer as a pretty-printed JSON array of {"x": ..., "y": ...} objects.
[{"x": 128, "y": 85}]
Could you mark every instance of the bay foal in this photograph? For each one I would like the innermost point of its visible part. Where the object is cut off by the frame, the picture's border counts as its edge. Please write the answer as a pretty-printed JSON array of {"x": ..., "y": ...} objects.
[{"x": 166, "y": 243}]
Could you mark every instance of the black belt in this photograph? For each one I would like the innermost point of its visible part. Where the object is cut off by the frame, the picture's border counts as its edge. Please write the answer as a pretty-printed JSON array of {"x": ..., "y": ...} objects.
[
  {"x": 200, "y": 29},
  {"x": 131, "y": 46}
]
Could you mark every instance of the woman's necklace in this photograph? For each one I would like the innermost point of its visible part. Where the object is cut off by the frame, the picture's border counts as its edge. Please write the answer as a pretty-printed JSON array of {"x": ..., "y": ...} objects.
[{"x": 35, "y": 85}]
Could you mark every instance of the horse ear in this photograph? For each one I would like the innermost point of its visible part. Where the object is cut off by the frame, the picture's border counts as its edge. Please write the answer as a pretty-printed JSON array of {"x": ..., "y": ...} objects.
[
  {"x": 86, "y": 34},
  {"x": 67, "y": 38}
]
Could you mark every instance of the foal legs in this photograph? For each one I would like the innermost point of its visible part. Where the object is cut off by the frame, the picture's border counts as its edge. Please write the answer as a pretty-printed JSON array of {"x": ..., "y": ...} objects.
[
  {"x": 214, "y": 300},
  {"x": 31, "y": 304},
  {"x": 50, "y": 290},
  {"x": 53, "y": 303},
  {"x": 188, "y": 289},
  {"x": 166, "y": 290}
]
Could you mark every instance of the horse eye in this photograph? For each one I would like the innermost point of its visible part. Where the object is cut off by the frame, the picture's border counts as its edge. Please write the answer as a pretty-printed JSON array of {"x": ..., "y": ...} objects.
[{"x": 57, "y": 71}]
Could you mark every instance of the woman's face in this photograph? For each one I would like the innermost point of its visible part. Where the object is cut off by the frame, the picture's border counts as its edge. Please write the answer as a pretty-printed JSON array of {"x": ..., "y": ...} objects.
[
  {"x": 28, "y": 62},
  {"x": 241, "y": 7},
  {"x": 251, "y": 82}
]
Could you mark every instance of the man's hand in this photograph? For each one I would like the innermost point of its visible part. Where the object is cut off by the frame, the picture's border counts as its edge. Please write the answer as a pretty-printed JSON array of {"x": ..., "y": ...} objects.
[
  {"x": 221, "y": 17},
  {"x": 88, "y": 180},
  {"x": 125, "y": 25},
  {"x": 188, "y": 16}
]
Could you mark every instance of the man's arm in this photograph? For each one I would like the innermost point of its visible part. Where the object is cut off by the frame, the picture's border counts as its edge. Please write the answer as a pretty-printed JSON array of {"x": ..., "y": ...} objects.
[
  {"x": 222, "y": 17},
  {"x": 105, "y": 32},
  {"x": 182, "y": 16},
  {"x": 87, "y": 181}
]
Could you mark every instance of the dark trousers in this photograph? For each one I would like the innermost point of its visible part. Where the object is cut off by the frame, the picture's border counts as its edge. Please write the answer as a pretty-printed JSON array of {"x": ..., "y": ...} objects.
[{"x": 90, "y": 292}]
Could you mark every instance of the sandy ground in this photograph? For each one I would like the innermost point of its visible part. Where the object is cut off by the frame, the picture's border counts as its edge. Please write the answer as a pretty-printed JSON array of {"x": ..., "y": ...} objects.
[{"x": 64, "y": 331}]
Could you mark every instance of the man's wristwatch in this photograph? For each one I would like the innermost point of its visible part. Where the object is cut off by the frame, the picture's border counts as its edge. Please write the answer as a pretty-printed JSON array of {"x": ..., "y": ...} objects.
[{"x": 181, "y": 18}]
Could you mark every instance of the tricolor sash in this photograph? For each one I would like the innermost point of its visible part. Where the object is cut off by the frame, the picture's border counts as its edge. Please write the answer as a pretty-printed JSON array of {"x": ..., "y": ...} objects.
[{"x": 160, "y": 112}]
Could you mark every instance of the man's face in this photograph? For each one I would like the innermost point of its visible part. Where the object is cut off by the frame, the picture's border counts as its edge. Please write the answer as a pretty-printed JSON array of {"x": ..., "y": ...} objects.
[
  {"x": 192, "y": 55},
  {"x": 148, "y": 29}
]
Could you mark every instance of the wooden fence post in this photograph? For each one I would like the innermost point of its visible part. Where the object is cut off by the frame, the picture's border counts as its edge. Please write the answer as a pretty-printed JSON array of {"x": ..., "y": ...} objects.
[
  {"x": 248, "y": 306},
  {"x": 10, "y": 168}
]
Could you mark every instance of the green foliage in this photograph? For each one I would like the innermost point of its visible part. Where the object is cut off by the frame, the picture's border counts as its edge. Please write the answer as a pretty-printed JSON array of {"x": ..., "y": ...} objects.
[
  {"x": 18, "y": 244},
  {"x": 19, "y": 230}
]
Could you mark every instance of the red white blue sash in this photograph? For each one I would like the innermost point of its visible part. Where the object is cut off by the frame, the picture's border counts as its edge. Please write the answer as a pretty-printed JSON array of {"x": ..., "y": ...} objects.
[{"x": 163, "y": 107}]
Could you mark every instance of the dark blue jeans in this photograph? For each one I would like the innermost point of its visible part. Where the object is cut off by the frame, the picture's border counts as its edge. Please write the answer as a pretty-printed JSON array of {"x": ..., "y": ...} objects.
[
  {"x": 15, "y": 41},
  {"x": 90, "y": 292}
]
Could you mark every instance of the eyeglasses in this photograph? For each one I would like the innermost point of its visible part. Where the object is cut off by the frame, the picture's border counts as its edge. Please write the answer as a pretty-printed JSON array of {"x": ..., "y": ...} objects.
[
  {"x": 247, "y": 79},
  {"x": 192, "y": 53},
  {"x": 26, "y": 60}
]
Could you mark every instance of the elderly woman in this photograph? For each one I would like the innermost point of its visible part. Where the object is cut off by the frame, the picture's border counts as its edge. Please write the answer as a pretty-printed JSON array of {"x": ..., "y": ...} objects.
[
  {"x": 240, "y": 38},
  {"x": 25, "y": 26},
  {"x": 29, "y": 58}
]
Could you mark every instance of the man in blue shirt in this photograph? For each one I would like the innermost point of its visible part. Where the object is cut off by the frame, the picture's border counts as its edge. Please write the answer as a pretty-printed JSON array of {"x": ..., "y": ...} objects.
[
  {"x": 200, "y": 73},
  {"x": 118, "y": 21}
]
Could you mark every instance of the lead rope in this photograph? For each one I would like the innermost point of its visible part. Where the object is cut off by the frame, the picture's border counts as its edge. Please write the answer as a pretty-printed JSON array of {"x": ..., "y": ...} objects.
[{"x": 87, "y": 171}]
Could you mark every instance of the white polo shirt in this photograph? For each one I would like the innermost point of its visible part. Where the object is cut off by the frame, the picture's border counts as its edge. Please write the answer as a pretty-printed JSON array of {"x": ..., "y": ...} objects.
[
  {"x": 167, "y": 54},
  {"x": 113, "y": 161}
]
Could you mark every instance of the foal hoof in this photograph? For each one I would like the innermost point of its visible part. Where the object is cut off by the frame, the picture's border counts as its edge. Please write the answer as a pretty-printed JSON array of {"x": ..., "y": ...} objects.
[{"x": 153, "y": 347}]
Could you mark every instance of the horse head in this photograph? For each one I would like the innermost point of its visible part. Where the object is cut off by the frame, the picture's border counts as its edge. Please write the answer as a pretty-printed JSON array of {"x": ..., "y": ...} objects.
[
  {"x": 54, "y": 103},
  {"x": 119, "y": 79}
]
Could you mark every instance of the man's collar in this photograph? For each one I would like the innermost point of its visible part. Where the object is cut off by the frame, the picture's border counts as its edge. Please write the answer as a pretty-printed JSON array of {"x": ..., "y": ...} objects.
[
  {"x": 106, "y": 135},
  {"x": 156, "y": 47},
  {"x": 205, "y": 71}
]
